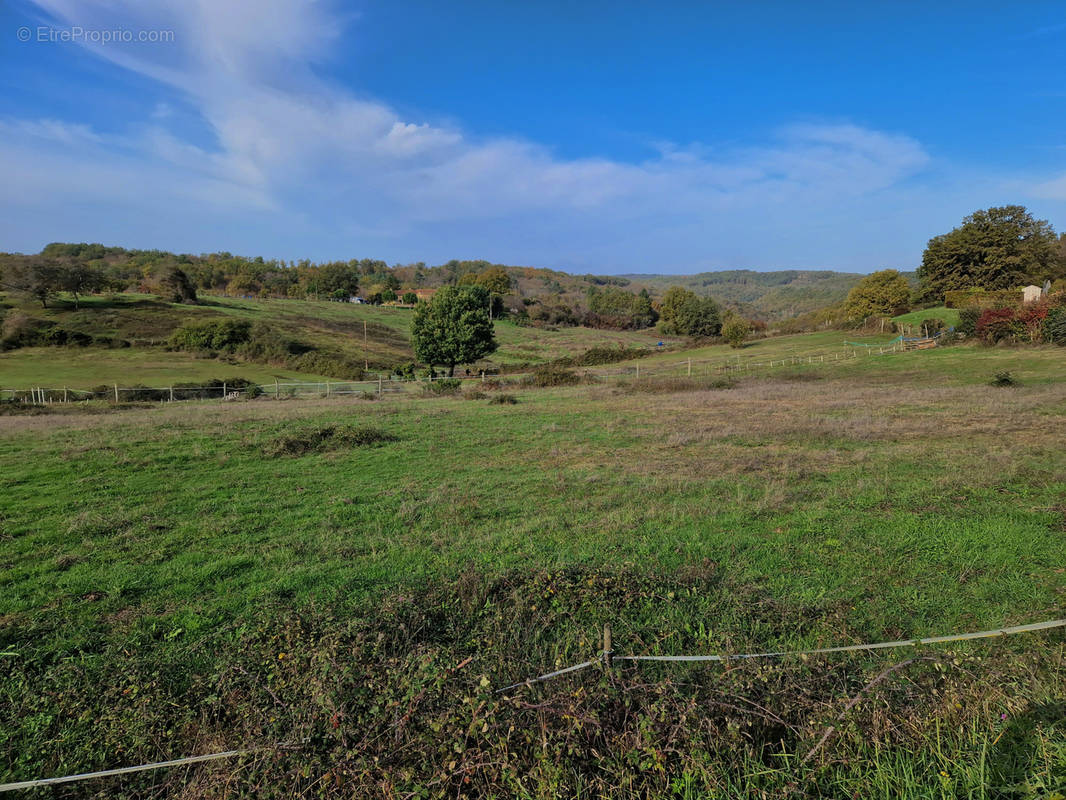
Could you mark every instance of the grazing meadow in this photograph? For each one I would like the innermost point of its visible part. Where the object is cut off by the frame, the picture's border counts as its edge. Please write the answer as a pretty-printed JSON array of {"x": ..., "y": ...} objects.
[{"x": 347, "y": 582}]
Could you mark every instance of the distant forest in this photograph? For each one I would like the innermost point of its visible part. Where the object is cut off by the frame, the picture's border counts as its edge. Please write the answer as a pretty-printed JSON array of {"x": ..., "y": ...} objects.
[
  {"x": 543, "y": 295},
  {"x": 765, "y": 295}
]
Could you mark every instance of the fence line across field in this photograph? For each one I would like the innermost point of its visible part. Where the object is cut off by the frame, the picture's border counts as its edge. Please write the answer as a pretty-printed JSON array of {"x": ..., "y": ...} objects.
[
  {"x": 42, "y": 395},
  {"x": 606, "y": 657}
]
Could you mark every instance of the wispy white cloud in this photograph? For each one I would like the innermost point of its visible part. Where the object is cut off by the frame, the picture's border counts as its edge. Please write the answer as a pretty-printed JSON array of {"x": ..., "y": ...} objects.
[{"x": 313, "y": 155}]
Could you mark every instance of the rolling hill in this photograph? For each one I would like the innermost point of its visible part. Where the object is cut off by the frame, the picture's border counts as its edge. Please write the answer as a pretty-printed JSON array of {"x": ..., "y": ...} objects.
[{"x": 765, "y": 295}]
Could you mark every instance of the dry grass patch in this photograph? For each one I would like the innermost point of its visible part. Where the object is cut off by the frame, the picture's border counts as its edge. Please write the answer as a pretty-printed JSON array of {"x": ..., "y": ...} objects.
[{"x": 325, "y": 438}]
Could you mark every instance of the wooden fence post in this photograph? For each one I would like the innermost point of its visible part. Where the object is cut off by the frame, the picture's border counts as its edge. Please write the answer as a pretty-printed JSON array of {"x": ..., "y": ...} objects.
[
  {"x": 607, "y": 651},
  {"x": 379, "y": 386},
  {"x": 223, "y": 390},
  {"x": 116, "y": 392},
  {"x": 690, "y": 367},
  {"x": 171, "y": 394},
  {"x": 277, "y": 389},
  {"x": 327, "y": 388}
]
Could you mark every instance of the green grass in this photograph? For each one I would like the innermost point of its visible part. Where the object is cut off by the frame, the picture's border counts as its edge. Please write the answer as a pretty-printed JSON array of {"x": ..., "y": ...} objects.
[
  {"x": 949, "y": 316},
  {"x": 148, "y": 322},
  {"x": 82, "y": 368},
  {"x": 562, "y": 443},
  {"x": 166, "y": 550},
  {"x": 527, "y": 345}
]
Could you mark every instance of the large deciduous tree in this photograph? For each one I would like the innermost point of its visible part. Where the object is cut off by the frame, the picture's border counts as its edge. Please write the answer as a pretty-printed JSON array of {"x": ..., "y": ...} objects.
[
  {"x": 39, "y": 277},
  {"x": 453, "y": 327},
  {"x": 997, "y": 248},
  {"x": 79, "y": 279},
  {"x": 495, "y": 279},
  {"x": 688, "y": 314},
  {"x": 883, "y": 292},
  {"x": 175, "y": 285}
]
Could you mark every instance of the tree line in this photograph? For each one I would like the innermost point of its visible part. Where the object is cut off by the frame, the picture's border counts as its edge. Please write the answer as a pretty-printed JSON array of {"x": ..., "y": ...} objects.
[{"x": 526, "y": 295}]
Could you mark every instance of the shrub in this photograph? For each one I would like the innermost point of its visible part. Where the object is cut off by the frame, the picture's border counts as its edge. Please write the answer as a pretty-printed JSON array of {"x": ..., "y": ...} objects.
[
  {"x": 968, "y": 321},
  {"x": 138, "y": 392},
  {"x": 443, "y": 386},
  {"x": 1003, "y": 379},
  {"x": 595, "y": 356},
  {"x": 17, "y": 329},
  {"x": 266, "y": 343},
  {"x": 221, "y": 335},
  {"x": 552, "y": 375},
  {"x": 328, "y": 437},
  {"x": 1054, "y": 327},
  {"x": 211, "y": 389},
  {"x": 20, "y": 330},
  {"x": 1031, "y": 319},
  {"x": 474, "y": 395},
  {"x": 735, "y": 331},
  {"x": 175, "y": 286},
  {"x": 999, "y": 325},
  {"x": 503, "y": 400}
]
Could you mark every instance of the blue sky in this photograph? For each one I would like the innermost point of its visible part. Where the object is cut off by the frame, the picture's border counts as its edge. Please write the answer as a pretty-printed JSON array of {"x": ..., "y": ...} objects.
[{"x": 601, "y": 137}]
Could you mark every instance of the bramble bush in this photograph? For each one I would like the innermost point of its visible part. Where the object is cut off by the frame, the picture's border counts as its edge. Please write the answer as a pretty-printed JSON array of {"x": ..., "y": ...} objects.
[
  {"x": 999, "y": 325},
  {"x": 552, "y": 375},
  {"x": 443, "y": 386},
  {"x": 222, "y": 335},
  {"x": 1054, "y": 326},
  {"x": 595, "y": 356}
]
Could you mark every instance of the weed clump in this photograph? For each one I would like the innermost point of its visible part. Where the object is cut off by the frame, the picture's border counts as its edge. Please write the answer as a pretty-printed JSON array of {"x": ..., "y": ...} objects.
[
  {"x": 1003, "y": 379},
  {"x": 552, "y": 375},
  {"x": 596, "y": 356},
  {"x": 444, "y": 386},
  {"x": 328, "y": 437},
  {"x": 503, "y": 400}
]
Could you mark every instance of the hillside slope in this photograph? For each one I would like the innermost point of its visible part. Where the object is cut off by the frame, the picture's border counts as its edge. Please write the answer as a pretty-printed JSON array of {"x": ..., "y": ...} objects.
[
  {"x": 766, "y": 295},
  {"x": 769, "y": 296},
  {"x": 346, "y": 336}
]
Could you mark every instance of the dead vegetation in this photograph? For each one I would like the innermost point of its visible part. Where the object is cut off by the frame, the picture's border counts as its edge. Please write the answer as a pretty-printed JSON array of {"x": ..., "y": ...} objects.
[{"x": 326, "y": 438}]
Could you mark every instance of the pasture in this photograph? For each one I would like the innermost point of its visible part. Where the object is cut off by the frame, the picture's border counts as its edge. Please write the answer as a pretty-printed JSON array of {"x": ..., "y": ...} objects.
[
  {"x": 177, "y": 579},
  {"x": 147, "y": 322}
]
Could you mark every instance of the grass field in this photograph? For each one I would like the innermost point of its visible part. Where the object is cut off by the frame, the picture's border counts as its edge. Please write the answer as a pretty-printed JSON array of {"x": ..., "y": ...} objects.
[
  {"x": 173, "y": 580},
  {"x": 148, "y": 323},
  {"x": 83, "y": 368},
  {"x": 949, "y": 316}
]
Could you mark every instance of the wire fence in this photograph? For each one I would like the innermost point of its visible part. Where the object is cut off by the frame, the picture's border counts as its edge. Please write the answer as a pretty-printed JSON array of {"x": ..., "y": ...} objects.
[
  {"x": 384, "y": 384},
  {"x": 606, "y": 658}
]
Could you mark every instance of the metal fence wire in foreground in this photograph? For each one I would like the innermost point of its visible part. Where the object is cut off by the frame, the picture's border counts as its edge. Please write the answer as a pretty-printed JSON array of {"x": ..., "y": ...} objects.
[{"x": 606, "y": 657}]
